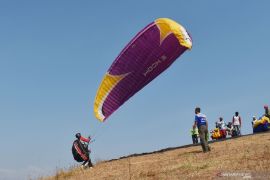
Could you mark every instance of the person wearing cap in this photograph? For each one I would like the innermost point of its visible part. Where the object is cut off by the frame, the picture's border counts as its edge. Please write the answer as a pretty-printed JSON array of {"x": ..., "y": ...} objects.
[
  {"x": 202, "y": 124},
  {"x": 237, "y": 123}
]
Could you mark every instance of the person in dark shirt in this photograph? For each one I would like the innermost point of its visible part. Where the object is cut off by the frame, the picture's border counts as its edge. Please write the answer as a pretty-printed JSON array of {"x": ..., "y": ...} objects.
[
  {"x": 267, "y": 113},
  {"x": 82, "y": 149},
  {"x": 202, "y": 124}
]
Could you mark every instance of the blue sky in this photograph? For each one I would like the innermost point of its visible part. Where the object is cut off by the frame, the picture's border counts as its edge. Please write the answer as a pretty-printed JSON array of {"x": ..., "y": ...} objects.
[{"x": 53, "y": 55}]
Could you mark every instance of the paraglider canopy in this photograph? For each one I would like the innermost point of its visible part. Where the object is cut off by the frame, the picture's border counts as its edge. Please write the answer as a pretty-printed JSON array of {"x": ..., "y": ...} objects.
[{"x": 147, "y": 55}]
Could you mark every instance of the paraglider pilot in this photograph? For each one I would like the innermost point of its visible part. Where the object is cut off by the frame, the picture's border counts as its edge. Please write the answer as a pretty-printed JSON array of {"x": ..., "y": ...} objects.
[{"x": 80, "y": 150}]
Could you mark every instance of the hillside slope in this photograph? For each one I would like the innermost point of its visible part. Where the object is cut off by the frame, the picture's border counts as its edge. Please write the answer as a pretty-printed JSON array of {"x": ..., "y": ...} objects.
[{"x": 247, "y": 156}]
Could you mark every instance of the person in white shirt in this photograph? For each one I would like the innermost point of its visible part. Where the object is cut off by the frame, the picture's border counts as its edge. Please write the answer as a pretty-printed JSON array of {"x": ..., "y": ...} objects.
[
  {"x": 237, "y": 122},
  {"x": 221, "y": 124},
  {"x": 222, "y": 127},
  {"x": 254, "y": 119}
]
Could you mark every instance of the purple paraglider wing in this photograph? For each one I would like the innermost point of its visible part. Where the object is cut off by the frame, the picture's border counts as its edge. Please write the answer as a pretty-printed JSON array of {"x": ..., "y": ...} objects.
[{"x": 147, "y": 55}]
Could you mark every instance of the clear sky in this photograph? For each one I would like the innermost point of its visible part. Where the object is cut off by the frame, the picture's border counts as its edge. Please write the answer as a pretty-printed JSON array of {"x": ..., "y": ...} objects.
[{"x": 53, "y": 55}]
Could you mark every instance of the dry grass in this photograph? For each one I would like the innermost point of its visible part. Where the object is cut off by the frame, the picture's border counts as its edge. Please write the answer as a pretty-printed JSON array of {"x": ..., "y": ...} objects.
[{"x": 249, "y": 154}]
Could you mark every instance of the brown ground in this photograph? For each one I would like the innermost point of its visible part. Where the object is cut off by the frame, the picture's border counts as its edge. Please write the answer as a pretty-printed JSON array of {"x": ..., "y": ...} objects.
[{"x": 238, "y": 158}]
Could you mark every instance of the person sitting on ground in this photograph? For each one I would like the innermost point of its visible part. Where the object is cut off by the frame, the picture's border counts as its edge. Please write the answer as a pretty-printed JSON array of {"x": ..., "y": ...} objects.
[
  {"x": 221, "y": 123},
  {"x": 254, "y": 119},
  {"x": 230, "y": 128},
  {"x": 222, "y": 127}
]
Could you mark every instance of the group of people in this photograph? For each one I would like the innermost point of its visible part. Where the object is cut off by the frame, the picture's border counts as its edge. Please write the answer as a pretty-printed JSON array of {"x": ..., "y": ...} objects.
[
  {"x": 223, "y": 129},
  {"x": 233, "y": 128},
  {"x": 199, "y": 130}
]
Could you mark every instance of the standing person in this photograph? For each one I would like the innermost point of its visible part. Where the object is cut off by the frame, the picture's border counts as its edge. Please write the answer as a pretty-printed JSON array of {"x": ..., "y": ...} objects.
[
  {"x": 202, "y": 124},
  {"x": 194, "y": 135},
  {"x": 267, "y": 113},
  {"x": 237, "y": 122}
]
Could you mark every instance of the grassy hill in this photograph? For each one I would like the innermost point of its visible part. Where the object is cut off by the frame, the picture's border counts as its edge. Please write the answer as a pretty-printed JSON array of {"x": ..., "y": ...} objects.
[{"x": 243, "y": 157}]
